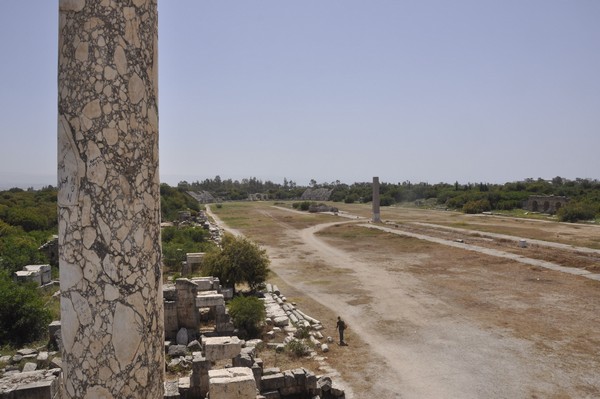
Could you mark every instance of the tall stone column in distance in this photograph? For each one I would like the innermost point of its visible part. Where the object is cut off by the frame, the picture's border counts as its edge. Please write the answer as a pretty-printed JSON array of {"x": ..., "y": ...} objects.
[
  {"x": 109, "y": 199},
  {"x": 376, "y": 213}
]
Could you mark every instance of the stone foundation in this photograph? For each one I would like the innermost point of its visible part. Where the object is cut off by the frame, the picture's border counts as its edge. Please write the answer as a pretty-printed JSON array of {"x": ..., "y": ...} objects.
[{"x": 184, "y": 300}]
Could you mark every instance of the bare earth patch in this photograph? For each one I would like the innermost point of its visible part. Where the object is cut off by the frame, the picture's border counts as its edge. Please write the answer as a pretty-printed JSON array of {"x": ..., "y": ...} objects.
[{"x": 430, "y": 321}]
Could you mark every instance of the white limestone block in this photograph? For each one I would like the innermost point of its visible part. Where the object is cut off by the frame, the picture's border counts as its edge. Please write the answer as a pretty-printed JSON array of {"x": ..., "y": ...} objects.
[
  {"x": 232, "y": 383},
  {"x": 220, "y": 348},
  {"x": 281, "y": 321},
  {"x": 207, "y": 299}
]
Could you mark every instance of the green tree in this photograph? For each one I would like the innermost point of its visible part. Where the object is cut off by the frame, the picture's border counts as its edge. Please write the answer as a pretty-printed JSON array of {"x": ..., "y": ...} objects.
[
  {"x": 247, "y": 314},
  {"x": 18, "y": 250},
  {"x": 386, "y": 200},
  {"x": 23, "y": 317},
  {"x": 576, "y": 211},
  {"x": 239, "y": 261},
  {"x": 177, "y": 242}
]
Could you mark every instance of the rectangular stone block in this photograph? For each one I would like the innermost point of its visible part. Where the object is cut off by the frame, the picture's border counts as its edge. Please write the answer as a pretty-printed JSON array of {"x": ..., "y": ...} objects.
[
  {"x": 31, "y": 385},
  {"x": 225, "y": 328},
  {"x": 171, "y": 323},
  {"x": 28, "y": 276},
  {"x": 171, "y": 390},
  {"x": 195, "y": 258},
  {"x": 273, "y": 382},
  {"x": 187, "y": 314},
  {"x": 232, "y": 383},
  {"x": 221, "y": 348},
  {"x": 242, "y": 360},
  {"x": 227, "y": 293},
  {"x": 204, "y": 283},
  {"x": 200, "y": 368},
  {"x": 257, "y": 371},
  {"x": 208, "y": 299},
  {"x": 45, "y": 272},
  {"x": 299, "y": 376}
]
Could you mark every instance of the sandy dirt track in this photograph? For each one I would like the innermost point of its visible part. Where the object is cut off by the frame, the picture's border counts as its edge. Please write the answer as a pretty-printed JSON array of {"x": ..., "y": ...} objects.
[{"x": 440, "y": 322}]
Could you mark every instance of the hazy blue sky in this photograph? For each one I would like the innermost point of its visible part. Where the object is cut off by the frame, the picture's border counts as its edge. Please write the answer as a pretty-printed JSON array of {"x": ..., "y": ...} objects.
[{"x": 432, "y": 91}]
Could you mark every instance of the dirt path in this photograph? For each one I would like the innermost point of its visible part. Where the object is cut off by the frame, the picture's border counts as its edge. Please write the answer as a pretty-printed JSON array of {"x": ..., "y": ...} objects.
[
  {"x": 515, "y": 239},
  {"x": 220, "y": 223},
  {"x": 432, "y": 321},
  {"x": 427, "y": 353},
  {"x": 501, "y": 254}
]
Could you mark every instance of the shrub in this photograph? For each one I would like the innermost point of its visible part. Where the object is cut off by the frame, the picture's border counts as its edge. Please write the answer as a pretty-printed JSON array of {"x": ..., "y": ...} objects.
[
  {"x": 23, "y": 317},
  {"x": 297, "y": 348},
  {"x": 247, "y": 314},
  {"x": 351, "y": 198},
  {"x": 19, "y": 250},
  {"x": 576, "y": 211},
  {"x": 508, "y": 205},
  {"x": 302, "y": 332},
  {"x": 478, "y": 206},
  {"x": 304, "y": 205},
  {"x": 386, "y": 200}
]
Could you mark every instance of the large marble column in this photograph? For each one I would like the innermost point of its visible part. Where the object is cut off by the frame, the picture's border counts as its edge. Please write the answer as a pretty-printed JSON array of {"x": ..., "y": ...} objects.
[
  {"x": 376, "y": 213},
  {"x": 109, "y": 203}
]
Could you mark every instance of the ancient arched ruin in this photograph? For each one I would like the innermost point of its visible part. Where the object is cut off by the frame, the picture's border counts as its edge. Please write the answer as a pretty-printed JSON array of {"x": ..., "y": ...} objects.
[{"x": 545, "y": 203}]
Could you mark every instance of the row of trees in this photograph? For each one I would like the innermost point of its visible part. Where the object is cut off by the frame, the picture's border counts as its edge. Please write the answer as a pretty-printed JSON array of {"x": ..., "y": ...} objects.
[
  {"x": 470, "y": 197},
  {"x": 235, "y": 190}
]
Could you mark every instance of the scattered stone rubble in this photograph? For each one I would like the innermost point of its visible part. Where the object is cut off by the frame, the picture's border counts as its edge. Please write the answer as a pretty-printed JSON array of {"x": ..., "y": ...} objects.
[
  {"x": 30, "y": 374},
  {"x": 245, "y": 377},
  {"x": 39, "y": 274},
  {"x": 286, "y": 317}
]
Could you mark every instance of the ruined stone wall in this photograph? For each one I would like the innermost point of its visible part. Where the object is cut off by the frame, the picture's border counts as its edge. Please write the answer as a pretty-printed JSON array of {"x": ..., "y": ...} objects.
[
  {"x": 545, "y": 203},
  {"x": 109, "y": 204}
]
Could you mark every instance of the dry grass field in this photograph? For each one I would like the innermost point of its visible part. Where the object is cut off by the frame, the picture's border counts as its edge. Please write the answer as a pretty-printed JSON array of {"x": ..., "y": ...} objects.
[{"x": 432, "y": 321}]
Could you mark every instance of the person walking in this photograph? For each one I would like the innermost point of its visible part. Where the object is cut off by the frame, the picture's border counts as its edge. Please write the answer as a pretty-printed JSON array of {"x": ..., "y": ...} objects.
[{"x": 341, "y": 326}]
